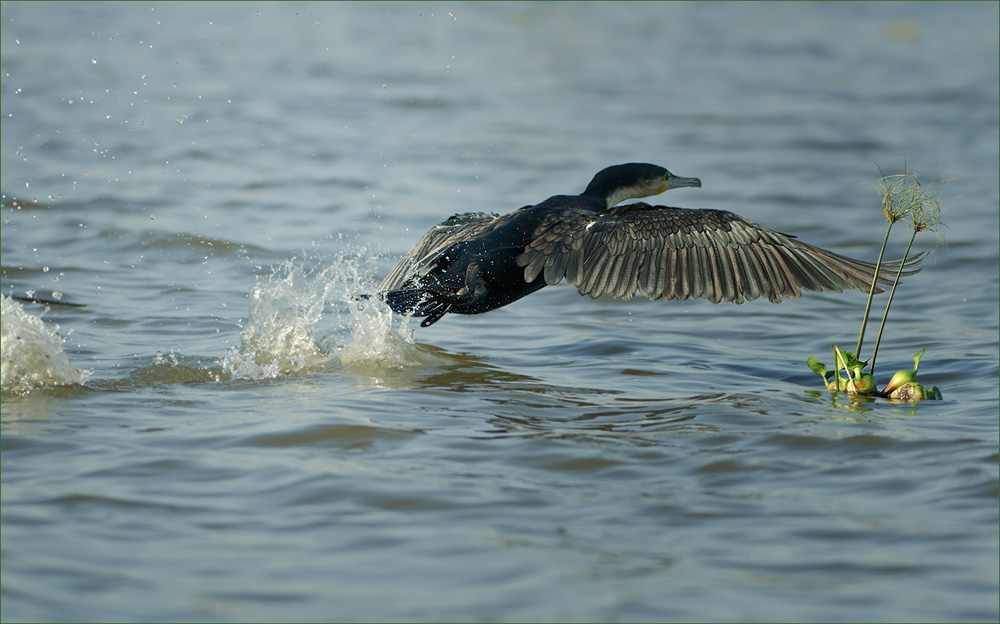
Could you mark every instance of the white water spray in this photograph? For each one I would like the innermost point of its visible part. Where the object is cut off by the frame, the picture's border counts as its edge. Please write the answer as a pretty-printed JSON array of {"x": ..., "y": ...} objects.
[
  {"x": 283, "y": 334},
  {"x": 32, "y": 353}
]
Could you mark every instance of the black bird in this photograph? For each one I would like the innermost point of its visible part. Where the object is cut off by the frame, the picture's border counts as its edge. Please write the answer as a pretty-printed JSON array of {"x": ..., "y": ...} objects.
[{"x": 477, "y": 262}]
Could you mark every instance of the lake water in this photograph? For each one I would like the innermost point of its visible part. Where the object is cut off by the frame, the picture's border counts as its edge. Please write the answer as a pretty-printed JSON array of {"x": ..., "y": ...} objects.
[{"x": 221, "y": 432}]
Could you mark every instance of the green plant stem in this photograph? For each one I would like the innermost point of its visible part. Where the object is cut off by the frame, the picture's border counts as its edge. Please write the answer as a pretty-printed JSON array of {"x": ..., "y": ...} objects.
[
  {"x": 836, "y": 365},
  {"x": 842, "y": 363},
  {"x": 871, "y": 291},
  {"x": 888, "y": 303}
]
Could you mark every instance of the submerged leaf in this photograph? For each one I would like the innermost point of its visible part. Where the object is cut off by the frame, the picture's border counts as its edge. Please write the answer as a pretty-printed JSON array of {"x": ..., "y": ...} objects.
[{"x": 910, "y": 393}]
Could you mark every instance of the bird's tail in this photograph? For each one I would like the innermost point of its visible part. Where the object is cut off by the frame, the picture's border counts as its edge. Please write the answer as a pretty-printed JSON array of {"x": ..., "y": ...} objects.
[{"x": 417, "y": 302}]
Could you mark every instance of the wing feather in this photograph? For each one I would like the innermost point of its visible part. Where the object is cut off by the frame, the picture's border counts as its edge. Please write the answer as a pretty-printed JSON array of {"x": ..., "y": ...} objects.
[
  {"x": 437, "y": 239},
  {"x": 673, "y": 253}
]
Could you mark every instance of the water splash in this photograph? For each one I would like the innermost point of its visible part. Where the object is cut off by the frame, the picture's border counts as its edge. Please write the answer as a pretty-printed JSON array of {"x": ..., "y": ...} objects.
[
  {"x": 32, "y": 355},
  {"x": 277, "y": 337},
  {"x": 283, "y": 334},
  {"x": 373, "y": 337}
]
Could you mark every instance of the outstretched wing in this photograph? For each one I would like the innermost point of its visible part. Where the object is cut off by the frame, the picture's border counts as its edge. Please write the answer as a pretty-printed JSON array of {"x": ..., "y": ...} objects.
[
  {"x": 457, "y": 228},
  {"x": 674, "y": 253}
]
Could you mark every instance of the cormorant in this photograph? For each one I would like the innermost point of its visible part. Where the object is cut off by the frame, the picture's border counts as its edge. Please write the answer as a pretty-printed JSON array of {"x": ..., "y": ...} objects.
[{"x": 477, "y": 262}]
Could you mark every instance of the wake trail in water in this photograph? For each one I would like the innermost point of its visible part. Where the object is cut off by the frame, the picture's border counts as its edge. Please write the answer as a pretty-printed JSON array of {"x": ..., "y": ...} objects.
[
  {"x": 282, "y": 334},
  {"x": 32, "y": 354}
]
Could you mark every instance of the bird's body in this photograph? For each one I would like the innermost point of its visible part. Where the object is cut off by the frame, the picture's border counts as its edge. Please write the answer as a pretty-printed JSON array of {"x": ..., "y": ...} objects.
[{"x": 477, "y": 262}]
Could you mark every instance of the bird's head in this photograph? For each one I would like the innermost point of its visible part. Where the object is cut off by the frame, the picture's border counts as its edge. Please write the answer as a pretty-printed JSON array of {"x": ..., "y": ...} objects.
[{"x": 633, "y": 181}]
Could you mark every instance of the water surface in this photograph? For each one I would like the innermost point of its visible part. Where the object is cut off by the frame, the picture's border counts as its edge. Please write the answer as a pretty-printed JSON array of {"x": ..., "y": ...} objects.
[{"x": 221, "y": 432}]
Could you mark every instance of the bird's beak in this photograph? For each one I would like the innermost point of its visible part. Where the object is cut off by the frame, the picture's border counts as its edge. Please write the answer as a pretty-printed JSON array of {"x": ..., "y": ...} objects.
[{"x": 679, "y": 182}]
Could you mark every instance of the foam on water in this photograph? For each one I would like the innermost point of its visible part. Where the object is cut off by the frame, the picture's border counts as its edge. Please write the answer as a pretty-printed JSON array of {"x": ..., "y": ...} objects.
[
  {"x": 32, "y": 353},
  {"x": 283, "y": 334}
]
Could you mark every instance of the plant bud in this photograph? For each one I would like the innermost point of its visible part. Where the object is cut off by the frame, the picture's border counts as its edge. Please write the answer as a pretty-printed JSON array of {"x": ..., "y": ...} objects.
[
  {"x": 865, "y": 384},
  {"x": 899, "y": 380}
]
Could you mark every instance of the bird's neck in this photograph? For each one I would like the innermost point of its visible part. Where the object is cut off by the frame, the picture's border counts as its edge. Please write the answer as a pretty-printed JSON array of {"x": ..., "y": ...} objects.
[{"x": 612, "y": 195}]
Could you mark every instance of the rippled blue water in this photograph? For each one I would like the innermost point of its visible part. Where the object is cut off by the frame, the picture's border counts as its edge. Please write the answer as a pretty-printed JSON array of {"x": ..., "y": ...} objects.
[{"x": 244, "y": 441}]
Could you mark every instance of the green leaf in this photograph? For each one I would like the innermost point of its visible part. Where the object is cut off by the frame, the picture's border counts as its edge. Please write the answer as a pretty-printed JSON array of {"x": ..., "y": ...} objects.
[
  {"x": 916, "y": 361},
  {"x": 816, "y": 366}
]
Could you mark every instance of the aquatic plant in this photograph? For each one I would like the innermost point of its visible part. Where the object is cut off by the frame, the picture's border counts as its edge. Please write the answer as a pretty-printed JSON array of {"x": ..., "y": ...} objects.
[
  {"x": 924, "y": 212},
  {"x": 903, "y": 199}
]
